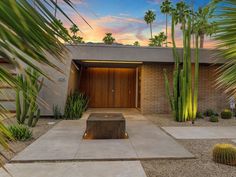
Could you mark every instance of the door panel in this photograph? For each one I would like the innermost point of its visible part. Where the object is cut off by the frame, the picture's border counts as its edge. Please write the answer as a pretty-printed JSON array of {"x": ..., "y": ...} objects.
[{"x": 109, "y": 87}]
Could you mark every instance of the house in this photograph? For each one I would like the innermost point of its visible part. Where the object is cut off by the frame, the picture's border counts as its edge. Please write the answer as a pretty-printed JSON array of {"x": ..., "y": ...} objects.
[{"x": 117, "y": 76}]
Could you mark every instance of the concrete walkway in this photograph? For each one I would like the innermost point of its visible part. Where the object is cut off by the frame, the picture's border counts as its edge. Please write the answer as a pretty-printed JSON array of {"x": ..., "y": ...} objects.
[
  {"x": 64, "y": 142},
  {"x": 76, "y": 169},
  {"x": 202, "y": 132}
]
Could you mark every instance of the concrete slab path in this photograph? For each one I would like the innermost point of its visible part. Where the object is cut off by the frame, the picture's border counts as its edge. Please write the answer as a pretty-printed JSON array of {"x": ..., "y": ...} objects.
[
  {"x": 76, "y": 169},
  {"x": 202, "y": 132},
  {"x": 64, "y": 142}
]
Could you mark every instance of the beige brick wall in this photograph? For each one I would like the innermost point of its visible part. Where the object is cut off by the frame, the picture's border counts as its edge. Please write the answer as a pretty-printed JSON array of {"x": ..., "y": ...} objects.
[{"x": 153, "y": 93}]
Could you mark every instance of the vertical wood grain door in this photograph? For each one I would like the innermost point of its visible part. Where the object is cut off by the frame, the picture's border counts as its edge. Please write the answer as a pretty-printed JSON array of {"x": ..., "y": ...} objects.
[{"x": 109, "y": 87}]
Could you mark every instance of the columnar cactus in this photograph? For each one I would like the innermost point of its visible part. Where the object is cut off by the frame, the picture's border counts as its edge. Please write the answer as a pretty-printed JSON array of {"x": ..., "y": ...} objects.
[
  {"x": 225, "y": 154},
  {"x": 184, "y": 99}
]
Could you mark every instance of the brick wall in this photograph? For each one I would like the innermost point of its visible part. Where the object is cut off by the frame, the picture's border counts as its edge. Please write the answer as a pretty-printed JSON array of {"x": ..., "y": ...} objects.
[{"x": 153, "y": 93}]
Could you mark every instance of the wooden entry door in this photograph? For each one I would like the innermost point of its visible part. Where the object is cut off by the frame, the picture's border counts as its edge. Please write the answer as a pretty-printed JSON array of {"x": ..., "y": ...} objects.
[{"x": 109, "y": 87}]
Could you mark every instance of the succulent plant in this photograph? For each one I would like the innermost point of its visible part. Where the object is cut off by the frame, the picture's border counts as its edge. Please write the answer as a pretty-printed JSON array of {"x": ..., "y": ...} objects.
[
  {"x": 225, "y": 154},
  {"x": 214, "y": 118},
  {"x": 226, "y": 114}
]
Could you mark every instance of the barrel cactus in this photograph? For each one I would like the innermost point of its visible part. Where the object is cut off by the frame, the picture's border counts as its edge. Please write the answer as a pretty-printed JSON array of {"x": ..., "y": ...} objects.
[
  {"x": 225, "y": 154},
  {"x": 226, "y": 114}
]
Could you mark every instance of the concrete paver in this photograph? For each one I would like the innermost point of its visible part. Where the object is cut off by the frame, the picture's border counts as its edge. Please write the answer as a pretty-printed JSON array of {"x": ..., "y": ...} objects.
[
  {"x": 76, "y": 169},
  {"x": 202, "y": 132}
]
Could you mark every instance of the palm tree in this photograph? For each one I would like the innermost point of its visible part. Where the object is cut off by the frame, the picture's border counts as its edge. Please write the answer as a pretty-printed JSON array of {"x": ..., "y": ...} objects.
[
  {"x": 225, "y": 36},
  {"x": 136, "y": 43},
  {"x": 149, "y": 18},
  {"x": 74, "y": 29},
  {"x": 158, "y": 40},
  {"x": 166, "y": 9},
  {"x": 55, "y": 12},
  {"x": 108, "y": 39},
  {"x": 203, "y": 16},
  {"x": 21, "y": 46}
]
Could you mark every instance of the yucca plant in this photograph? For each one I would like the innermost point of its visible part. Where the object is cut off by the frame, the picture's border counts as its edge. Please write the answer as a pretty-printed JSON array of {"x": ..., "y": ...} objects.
[
  {"x": 76, "y": 104},
  {"x": 225, "y": 154}
]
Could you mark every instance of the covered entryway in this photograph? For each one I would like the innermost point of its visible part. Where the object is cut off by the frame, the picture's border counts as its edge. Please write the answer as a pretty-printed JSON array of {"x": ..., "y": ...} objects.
[{"x": 109, "y": 87}]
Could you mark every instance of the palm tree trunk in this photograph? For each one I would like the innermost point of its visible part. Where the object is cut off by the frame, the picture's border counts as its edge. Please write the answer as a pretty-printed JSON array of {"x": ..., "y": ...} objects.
[
  {"x": 166, "y": 31},
  {"x": 202, "y": 40},
  {"x": 151, "y": 29},
  {"x": 55, "y": 12}
]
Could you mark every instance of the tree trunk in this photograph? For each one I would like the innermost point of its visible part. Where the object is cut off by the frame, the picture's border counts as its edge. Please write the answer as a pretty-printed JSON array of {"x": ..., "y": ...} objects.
[
  {"x": 55, "y": 12},
  {"x": 151, "y": 29},
  {"x": 202, "y": 40},
  {"x": 166, "y": 31}
]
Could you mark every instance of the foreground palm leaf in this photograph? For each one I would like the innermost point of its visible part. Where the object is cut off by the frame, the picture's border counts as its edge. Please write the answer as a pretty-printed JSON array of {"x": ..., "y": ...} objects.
[
  {"x": 29, "y": 31},
  {"x": 225, "y": 34}
]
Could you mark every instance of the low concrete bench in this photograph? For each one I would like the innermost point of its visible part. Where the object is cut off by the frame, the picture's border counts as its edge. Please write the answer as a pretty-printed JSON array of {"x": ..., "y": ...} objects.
[{"x": 105, "y": 126}]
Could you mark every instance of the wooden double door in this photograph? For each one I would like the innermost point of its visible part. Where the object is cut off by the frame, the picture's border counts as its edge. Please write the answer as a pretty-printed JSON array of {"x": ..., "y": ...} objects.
[{"x": 109, "y": 87}]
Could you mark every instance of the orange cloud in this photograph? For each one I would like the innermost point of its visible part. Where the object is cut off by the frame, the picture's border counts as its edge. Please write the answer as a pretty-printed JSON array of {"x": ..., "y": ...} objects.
[{"x": 125, "y": 30}]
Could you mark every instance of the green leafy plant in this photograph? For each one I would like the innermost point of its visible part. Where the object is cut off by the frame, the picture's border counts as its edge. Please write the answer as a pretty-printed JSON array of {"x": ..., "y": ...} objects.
[
  {"x": 20, "y": 132},
  {"x": 199, "y": 115},
  {"x": 57, "y": 112},
  {"x": 225, "y": 154},
  {"x": 26, "y": 99},
  {"x": 76, "y": 104},
  {"x": 209, "y": 112},
  {"x": 214, "y": 118},
  {"x": 226, "y": 114}
]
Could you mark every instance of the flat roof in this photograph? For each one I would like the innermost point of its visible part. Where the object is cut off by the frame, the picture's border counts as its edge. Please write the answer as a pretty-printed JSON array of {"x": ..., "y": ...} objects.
[{"x": 134, "y": 53}]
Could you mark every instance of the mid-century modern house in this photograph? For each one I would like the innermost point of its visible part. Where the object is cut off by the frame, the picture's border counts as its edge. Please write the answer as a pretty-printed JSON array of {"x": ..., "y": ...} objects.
[{"x": 118, "y": 76}]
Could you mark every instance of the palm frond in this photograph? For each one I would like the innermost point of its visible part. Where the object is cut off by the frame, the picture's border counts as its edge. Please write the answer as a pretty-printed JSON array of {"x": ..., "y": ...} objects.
[{"x": 225, "y": 35}]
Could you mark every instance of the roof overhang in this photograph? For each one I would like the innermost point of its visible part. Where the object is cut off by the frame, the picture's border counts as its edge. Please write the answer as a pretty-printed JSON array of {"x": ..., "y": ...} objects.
[{"x": 120, "y": 53}]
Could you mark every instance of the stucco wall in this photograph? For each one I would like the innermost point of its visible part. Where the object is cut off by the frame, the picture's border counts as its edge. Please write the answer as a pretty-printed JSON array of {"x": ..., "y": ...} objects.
[
  {"x": 73, "y": 83},
  {"x": 153, "y": 93}
]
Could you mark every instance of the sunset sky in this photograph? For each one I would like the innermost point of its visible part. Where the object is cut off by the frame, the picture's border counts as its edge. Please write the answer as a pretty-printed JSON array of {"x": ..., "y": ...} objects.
[{"x": 123, "y": 18}]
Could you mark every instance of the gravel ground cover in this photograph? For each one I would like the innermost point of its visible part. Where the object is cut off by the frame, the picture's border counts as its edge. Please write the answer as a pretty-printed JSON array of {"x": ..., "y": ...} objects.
[{"x": 202, "y": 165}]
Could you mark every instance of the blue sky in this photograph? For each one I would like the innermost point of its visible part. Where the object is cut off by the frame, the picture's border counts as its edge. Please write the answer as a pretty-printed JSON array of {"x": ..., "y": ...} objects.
[{"x": 123, "y": 18}]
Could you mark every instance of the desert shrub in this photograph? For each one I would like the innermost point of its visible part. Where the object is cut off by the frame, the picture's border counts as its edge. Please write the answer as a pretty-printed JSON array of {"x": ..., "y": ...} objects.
[
  {"x": 76, "y": 104},
  {"x": 20, "y": 132},
  {"x": 199, "y": 115},
  {"x": 214, "y": 118},
  {"x": 209, "y": 112},
  {"x": 57, "y": 112},
  {"x": 226, "y": 114},
  {"x": 225, "y": 154}
]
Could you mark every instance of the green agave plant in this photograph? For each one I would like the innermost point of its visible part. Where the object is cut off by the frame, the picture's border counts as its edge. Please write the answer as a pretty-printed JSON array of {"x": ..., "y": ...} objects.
[{"x": 76, "y": 104}]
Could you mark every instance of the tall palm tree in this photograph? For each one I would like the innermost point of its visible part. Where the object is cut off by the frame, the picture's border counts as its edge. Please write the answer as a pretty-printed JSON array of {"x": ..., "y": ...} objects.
[
  {"x": 149, "y": 18},
  {"x": 26, "y": 35},
  {"x": 208, "y": 27},
  {"x": 166, "y": 9},
  {"x": 108, "y": 39},
  {"x": 55, "y": 12},
  {"x": 226, "y": 38}
]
